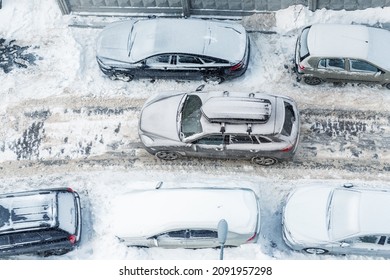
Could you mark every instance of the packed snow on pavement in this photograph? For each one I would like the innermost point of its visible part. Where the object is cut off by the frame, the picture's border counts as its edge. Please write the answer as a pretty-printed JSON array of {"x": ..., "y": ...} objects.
[{"x": 64, "y": 123}]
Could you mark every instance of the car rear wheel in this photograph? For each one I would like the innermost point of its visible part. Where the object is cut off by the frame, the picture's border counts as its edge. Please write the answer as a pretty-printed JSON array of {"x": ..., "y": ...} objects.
[
  {"x": 166, "y": 155},
  {"x": 266, "y": 161},
  {"x": 313, "y": 81},
  {"x": 315, "y": 251},
  {"x": 214, "y": 79},
  {"x": 387, "y": 86},
  {"x": 122, "y": 76}
]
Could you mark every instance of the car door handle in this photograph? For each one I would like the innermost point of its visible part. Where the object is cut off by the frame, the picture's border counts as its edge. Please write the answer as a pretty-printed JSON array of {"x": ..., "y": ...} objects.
[
  {"x": 219, "y": 149},
  {"x": 253, "y": 151}
]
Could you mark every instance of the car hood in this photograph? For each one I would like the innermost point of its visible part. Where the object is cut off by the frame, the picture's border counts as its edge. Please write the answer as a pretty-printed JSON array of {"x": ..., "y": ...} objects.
[
  {"x": 113, "y": 41},
  {"x": 305, "y": 215},
  {"x": 159, "y": 117}
]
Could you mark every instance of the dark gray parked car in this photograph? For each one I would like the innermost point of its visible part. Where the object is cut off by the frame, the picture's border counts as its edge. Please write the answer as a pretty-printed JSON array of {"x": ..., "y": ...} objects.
[
  {"x": 232, "y": 125},
  {"x": 343, "y": 53},
  {"x": 173, "y": 48},
  {"x": 43, "y": 222}
]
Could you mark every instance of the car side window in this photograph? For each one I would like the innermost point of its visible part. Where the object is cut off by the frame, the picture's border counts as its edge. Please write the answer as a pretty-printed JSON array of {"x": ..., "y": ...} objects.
[
  {"x": 216, "y": 139},
  {"x": 4, "y": 241},
  {"x": 331, "y": 63},
  {"x": 187, "y": 59},
  {"x": 204, "y": 234},
  {"x": 368, "y": 239},
  {"x": 362, "y": 66},
  {"x": 177, "y": 234},
  {"x": 264, "y": 139},
  {"x": 158, "y": 59},
  {"x": 242, "y": 139}
]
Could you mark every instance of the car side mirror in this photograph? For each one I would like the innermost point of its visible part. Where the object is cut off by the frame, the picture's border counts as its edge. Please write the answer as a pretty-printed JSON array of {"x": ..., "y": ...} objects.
[
  {"x": 200, "y": 88},
  {"x": 194, "y": 147},
  {"x": 155, "y": 241},
  {"x": 344, "y": 245}
]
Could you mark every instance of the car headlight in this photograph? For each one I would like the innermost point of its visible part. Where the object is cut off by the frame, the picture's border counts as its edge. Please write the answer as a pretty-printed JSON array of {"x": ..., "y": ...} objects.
[{"x": 146, "y": 140}]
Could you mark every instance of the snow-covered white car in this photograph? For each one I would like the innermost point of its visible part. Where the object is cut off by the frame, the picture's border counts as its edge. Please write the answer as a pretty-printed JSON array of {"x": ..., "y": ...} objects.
[
  {"x": 173, "y": 48},
  {"x": 343, "y": 53},
  {"x": 341, "y": 220},
  {"x": 186, "y": 217},
  {"x": 260, "y": 127}
]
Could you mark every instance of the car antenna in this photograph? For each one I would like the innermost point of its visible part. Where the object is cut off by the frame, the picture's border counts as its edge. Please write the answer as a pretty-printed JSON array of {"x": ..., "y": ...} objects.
[{"x": 159, "y": 184}]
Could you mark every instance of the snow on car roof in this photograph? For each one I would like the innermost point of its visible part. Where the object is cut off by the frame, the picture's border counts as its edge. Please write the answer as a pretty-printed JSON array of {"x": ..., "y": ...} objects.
[
  {"x": 355, "y": 41},
  {"x": 152, "y": 212},
  {"x": 30, "y": 210},
  {"x": 360, "y": 212},
  {"x": 273, "y": 124},
  {"x": 191, "y": 36}
]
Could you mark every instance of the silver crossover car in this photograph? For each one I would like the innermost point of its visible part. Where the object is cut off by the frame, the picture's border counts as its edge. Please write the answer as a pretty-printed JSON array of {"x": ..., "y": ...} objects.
[
  {"x": 186, "y": 217},
  {"x": 173, "y": 48},
  {"x": 343, "y": 53},
  {"x": 260, "y": 127},
  {"x": 343, "y": 220}
]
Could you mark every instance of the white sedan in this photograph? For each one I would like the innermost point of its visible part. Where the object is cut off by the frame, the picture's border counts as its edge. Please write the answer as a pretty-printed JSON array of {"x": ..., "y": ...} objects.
[{"x": 341, "y": 220}]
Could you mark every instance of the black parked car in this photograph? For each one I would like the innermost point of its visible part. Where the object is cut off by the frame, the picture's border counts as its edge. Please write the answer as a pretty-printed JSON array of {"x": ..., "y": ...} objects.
[
  {"x": 173, "y": 48},
  {"x": 44, "y": 222}
]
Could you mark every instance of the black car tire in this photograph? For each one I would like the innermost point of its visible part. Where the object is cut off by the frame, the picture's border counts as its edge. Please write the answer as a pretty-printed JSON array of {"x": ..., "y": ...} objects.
[
  {"x": 167, "y": 155},
  {"x": 312, "y": 81},
  {"x": 121, "y": 76},
  {"x": 387, "y": 85},
  {"x": 315, "y": 251},
  {"x": 214, "y": 79},
  {"x": 265, "y": 161}
]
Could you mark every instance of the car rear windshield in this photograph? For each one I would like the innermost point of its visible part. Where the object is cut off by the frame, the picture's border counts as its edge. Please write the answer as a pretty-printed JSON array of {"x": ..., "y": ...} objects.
[
  {"x": 289, "y": 119},
  {"x": 67, "y": 212},
  {"x": 190, "y": 116}
]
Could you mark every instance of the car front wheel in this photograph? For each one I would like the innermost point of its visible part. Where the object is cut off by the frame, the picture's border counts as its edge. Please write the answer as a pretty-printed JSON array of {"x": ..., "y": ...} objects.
[
  {"x": 166, "y": 155},
  {"x": 315, "y": 251},
  {"x": 313, "y": 81},
  {"x": 266, "y": 161},
  {"x": 214, "y": 79},
  {"x": 122, "y": 76}
]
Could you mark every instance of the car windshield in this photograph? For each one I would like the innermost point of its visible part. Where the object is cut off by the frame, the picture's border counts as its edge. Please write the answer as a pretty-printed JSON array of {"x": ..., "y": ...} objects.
[{"x": 190, "y": 116}]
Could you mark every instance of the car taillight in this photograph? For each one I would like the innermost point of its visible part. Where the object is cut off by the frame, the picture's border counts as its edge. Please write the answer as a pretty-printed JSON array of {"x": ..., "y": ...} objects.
[
  {"x": 72, "y": 239},
  {"x": 301, "y": 67},
  {"x": 252, "y": 238},
  {"x": 69, "y": 189},
  {"x": 237, "y": 66},
  {"x": 288, "y": 148}
]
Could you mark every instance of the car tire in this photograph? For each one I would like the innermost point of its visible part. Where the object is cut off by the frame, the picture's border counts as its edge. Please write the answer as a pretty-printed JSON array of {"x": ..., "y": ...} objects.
[
  {"x": 312, "y": 81},
  {"x": 167, "y": 155},
  {"x": 121, "y": 76},
  {"x": 315, "y": 251},
  {"x": 265, "y": 161},
  {"x": 387, "y": 85},
  {"x": 213, "y": 79}
]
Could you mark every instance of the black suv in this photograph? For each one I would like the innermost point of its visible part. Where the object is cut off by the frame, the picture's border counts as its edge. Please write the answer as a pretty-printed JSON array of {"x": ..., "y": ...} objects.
[{"x": 44, "y": 222}]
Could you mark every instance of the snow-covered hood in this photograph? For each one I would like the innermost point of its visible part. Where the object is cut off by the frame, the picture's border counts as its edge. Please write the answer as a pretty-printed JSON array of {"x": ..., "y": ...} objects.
[
  {"x": 113, "y": 41},
  {"x": 159, "y": 117},
  {"x": 305, "y": 215}
]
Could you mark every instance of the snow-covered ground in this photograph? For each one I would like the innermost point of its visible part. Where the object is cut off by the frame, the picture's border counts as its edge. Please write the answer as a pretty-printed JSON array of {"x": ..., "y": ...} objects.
[{"x": 65, "y": 124}]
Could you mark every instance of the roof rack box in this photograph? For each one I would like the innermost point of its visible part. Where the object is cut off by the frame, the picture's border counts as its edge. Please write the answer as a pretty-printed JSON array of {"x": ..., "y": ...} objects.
[{"x": 237, "y": 109}]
